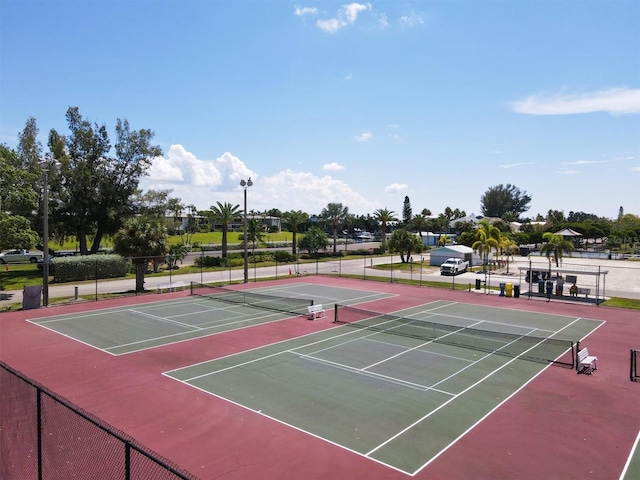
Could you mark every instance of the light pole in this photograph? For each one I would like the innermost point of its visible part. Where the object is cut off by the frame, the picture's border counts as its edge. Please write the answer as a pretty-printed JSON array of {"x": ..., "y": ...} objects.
[
  {"x": 45, "y": 165},
  {"x": 246, "y": 184}
]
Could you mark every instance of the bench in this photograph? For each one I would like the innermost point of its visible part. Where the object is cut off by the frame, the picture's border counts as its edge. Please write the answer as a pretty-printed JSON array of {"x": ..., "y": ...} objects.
[
  {"x": 575, "y": 291},
  {"x": 171, "y": 287},
  {"x": 315, "y": 311},
  {"x": 586, "y": 363}
]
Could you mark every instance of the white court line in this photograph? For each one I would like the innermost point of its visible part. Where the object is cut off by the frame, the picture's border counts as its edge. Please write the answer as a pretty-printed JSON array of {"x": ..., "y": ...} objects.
[
  {"x": 162, "y": 319},
  {"x": 379, "y": 376},
  {"x": 630, "y": 458}
]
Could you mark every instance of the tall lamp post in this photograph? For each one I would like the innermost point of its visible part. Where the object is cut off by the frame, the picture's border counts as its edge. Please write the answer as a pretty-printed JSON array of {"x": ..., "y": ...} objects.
[
  {"x": 45, "y": 165},
  {"x": 246, "y": 184}
]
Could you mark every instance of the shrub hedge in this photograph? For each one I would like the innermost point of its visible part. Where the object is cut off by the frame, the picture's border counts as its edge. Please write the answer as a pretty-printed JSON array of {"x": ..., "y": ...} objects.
[{"x": 90, "y": 267}]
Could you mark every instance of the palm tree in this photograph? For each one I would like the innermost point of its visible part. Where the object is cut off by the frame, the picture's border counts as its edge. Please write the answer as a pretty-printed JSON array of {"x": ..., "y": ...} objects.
[
  {"x": 334, "y": 215},
  {"x": 420, "y": 222},
  {"x": 487, "y": 239},
  {"x": 254, "y": 234},
  {"x": 141, "y": 240},
  {"x": 555, "y": 245},
  {"x": 404, "y": 242},
  {"x": 294, "y": 219},
  {"x": 224, "y": 213},
  {"x": 384, "y": 217},
  {"x": 508, "y": 247}
]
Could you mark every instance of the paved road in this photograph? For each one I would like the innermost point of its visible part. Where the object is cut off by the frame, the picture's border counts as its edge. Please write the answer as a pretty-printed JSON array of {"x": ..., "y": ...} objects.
[{"x": 622, "y": 278}]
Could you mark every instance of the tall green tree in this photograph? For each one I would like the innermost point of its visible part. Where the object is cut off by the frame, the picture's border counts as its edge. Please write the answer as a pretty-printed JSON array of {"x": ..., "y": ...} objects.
[
  {"x": 334, "y": 215},
  {"x": 223, "y": 214},
  {"x": 19, "y": 194},
  {"x": 99, "y": 181},
  {"x": 294, "y": 219},
  {"x": 555, "y": 246},
  {"x": 405, "y": 242},
  {"x": 384, "y": 217},
  {"x": 504, "y": 200},
  {"x": 141, "y": 240},
  {"x": 407, "y": 212},
  {"x": 15, "y": 232}
]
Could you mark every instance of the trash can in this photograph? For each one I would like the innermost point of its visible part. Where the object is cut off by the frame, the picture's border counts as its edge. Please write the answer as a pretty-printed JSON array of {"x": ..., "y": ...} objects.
[
  {"x": 31, "y": 297},
  {"x": 502, "y": 285},
  {"x": 509, "y": 289},
  {"x": 540, "y": 286},
  {"x": 516, "y": 291},
  {"x": 478, "y": 284}
]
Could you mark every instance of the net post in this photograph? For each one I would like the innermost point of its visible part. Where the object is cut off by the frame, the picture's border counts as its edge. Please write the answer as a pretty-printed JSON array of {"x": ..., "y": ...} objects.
[
  {"x": 575, "y": 358},
  {"x": 335, "y": 313},
  {"x": 631, "y": 365}
]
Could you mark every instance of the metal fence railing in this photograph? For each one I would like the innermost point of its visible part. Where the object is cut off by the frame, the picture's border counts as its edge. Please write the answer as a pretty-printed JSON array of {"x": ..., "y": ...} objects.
[
  {"x": 45, "y": 437},
  {"x": 634, "y": 372}
]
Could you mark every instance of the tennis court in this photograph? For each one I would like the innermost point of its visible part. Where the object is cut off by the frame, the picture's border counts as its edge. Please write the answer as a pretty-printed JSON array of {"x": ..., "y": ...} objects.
[
  {"x": 391, "y": 390},
  {"x": 208, "y": 311}
]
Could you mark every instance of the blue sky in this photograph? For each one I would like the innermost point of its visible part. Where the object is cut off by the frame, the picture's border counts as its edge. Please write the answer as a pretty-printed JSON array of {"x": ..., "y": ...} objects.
[{"x": 359, "y": 103}]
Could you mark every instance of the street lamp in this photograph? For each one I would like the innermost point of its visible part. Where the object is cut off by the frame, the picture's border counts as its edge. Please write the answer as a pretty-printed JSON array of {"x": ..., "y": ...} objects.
[
  {"x": 246, "y": 184},
  {"x": 45, "y": 165}
]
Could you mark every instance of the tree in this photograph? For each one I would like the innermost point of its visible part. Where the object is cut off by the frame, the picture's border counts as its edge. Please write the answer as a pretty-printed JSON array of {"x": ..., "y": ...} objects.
[
  {"x": 177, "y": 252},
  {"x": 254, "y": 234},
  {"x": 141, "y": 240},
  {"x": 404, "y": 242},
  {"x": 487, "y": 239},
  {"x": 555, "y": 245},
  {"x": 334, "y": 215},
  {"x": 294, "y": 219},
  {"x": 407, "y": 212},
  {"x": 15, "y": 232},
  {"x": 18, "y": 195},
  {"x": 97, "y": 190},
  {"x": 384, "y": 216},
  {"x": 153, "y": 203},
  {"x": 314, "y": 241},
  {"x": 223, "y": 214},
  {"x": 502, "y": 200}
]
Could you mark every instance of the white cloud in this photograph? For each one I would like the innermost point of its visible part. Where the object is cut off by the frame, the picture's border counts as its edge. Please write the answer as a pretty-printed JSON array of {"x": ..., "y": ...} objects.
[
  {"x": 582, "y": 162},
  {"x": 635, "y": 169},
  {"x": 351, "y": 10},
  {"x": 181, "y": 166},
  {"x": 396, "y": 188},
  {"x": 382, "y": 20},
  {"x": 300, "y": 12},
  {"x": 615, "y": 101},
  {"x": 395, "y": 137},
  {"x": 205, "y": 182},
  {"x": 348, "y": 76},
  {"x": 289, "y": 190},
  {"x": 347, "y": 15},
  {"x": 412, "y": 20},
  {"x": 363, "y": 137},
  {"x": 333, "y": 166},
  {"x": 514, "y": 165},
  {"x": 330, "y": 26},
  {"x": 567, "y": 171}
]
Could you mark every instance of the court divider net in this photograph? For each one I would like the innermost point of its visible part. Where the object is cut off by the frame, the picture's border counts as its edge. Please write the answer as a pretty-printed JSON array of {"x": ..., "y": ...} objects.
[
  {"x": 253, "y": 299},
  {"x": 528, "y": 347}
]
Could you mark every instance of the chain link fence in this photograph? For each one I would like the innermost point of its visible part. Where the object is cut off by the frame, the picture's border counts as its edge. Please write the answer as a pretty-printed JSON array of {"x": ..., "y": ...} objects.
[{"x": 45, "y": 437}]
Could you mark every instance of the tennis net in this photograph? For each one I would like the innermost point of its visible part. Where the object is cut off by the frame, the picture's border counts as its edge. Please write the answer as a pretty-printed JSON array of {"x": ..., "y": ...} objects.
[
  {"x": 253, "y": 299},
  {"x": 538, "y": 349}
]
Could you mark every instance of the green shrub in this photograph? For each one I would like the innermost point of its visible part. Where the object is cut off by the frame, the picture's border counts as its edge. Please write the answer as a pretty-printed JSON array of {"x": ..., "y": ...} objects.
[
  {"x": 282, "y": 256},
  {"x": 90, "y": 267}
]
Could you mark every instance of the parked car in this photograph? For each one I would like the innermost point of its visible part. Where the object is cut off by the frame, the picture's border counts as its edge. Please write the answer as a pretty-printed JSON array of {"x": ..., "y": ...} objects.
[
  {"x": 20, "y": 256},
  {"x": 40, "y": 264},
  {"x": 453, "y": 266}
]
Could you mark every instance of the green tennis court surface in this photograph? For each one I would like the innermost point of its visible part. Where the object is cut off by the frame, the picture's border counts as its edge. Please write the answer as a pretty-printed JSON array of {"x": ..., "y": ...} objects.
[
  {"x": 395, "y": 399},
  {"x": 128, "y": 329}
]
